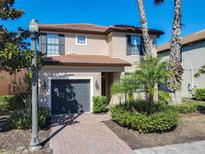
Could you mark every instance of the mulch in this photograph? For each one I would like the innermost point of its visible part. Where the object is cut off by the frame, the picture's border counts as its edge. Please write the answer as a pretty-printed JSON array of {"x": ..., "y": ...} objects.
[
  {"x": 11, "y": 139},
  {"x": 191, "y": 128}
]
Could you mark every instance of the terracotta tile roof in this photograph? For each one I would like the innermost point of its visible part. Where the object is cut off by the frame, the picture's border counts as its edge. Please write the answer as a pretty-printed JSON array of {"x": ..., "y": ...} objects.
[
  {"x": 91, "y": 28},
  {"x": 74, "y": 27},
  {"x": 74, "y": 59},
  {"x": 195, "y": 37}
]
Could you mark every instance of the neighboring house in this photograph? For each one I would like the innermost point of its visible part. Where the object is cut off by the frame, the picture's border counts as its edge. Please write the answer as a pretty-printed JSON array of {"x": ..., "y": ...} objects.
[
  {"x": 193, "y": 57},
  {"x": 83, "y": 60}
]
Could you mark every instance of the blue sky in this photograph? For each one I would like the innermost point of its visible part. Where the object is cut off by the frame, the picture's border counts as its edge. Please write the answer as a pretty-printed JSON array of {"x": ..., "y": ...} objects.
[{"x": 109, "y": 12}]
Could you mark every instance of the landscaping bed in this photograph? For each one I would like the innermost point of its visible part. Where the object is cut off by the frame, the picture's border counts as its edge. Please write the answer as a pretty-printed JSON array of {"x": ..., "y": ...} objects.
[
  {"x": 17, "y": 141},
  {"x": 191, "y": 127}
]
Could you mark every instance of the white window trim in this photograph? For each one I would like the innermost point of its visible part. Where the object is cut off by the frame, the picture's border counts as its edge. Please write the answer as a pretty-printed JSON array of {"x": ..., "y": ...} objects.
[{"x": 76, "y": 40}]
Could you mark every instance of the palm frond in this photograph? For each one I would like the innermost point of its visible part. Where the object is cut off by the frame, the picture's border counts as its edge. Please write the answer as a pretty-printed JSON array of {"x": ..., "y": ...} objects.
[
  {"x": 200, "y": 72},
  {"x": 158, "y": 2}
]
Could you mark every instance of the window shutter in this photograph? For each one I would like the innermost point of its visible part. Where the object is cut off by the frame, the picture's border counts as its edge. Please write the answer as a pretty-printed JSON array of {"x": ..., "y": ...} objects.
[
  {"x": 142, "y": 47},
  {"x": 42, "y": 43},
  {"x": 61, "y": 44},
  {"x": 128, "y": 44}
]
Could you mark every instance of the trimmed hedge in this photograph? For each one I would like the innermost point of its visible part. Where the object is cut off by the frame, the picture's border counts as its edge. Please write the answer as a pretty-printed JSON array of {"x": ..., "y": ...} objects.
[
  {"x": 22, "y": 119},
  {"x": 99, "y": 104},
  {"x": 199, "y": 94},
  {"x": 157, "y": 122},
  {"x": 6, "y": 102}
]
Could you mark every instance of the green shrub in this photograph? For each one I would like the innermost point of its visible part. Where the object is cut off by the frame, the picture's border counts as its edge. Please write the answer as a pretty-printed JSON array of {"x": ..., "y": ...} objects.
[
  {"x": 23, "y": 101},
  {"x": 7, "y": 102},
  {"x": 43, "y": 117},
  {"x": 157, "y": 122},
  {"x": 185, "y": 107},
  {"x": 199, "y": 94},
  {"x": 142, "y": 106},
  {"x": 22, "y": 119},
  {"x": 99, "y": 104},
  {"x": 201, "y": 108}
]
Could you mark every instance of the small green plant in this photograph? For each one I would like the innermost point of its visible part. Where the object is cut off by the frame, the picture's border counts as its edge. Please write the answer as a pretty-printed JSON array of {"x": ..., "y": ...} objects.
[
  {"x": 199, "y": 94},
  {"x": 43, "y": 117},
  {"x": 127, "y": 85},
  {"x": 7, "y": 102},
  {"x": 99, "y": 104}
]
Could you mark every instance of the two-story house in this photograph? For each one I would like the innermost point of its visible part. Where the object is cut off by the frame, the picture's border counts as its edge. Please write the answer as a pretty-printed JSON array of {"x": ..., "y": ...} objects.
[{"x": 83, "y": 60}]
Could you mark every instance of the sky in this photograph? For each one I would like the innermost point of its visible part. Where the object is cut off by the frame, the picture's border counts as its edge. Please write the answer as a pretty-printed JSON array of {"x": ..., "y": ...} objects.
[{"x": 110, "y": 12}]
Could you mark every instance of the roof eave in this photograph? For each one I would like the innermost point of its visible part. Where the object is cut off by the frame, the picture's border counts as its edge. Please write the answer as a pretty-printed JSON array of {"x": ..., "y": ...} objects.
[
  {"x": 113, "y": 29},
  {"x": 183, "y": 44},
  {"x": 69, "y": 30},
  {"x": 86, "y": 64}
]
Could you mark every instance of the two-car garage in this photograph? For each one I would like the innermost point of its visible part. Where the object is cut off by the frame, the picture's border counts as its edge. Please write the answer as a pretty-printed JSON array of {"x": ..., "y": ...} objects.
[{"x": 70, "y": 96}]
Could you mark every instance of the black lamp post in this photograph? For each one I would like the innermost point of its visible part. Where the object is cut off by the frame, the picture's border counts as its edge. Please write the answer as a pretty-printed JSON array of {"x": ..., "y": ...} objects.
[{"x": 35, "y": 144}]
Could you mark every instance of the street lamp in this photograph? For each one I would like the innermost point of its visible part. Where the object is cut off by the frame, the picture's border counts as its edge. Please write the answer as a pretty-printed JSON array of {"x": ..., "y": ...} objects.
[{"x": 35, "y": 144}]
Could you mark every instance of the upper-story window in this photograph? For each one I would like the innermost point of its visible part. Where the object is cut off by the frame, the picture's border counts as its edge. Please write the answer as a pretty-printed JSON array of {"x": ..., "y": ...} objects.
[
  {"x": 52, "y": 44},
  {"x": 81, "y": 40},
  {"x": 134, "y": 45}
]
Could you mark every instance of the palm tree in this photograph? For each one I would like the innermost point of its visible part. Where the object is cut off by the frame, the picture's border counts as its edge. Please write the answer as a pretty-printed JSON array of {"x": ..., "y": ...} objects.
[
  {"x": 150, "y": 49},
  {"x": 126, "y": 85},
  {"x": 151, "y": 71},
  {"x": 175, "y": 52}
]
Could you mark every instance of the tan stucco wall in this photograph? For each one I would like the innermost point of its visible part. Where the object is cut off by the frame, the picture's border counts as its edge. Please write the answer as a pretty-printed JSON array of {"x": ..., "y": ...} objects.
[
  {"x": 62, "y": 72},
  {"x": 96, "y": 44},
  {"x": 117, "y": 46},
  {"x": 193, "y": 57}
]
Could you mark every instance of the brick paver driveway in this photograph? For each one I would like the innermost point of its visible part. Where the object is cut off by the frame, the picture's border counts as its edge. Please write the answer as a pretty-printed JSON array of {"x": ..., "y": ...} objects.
[{"x": 85, "y": 134}]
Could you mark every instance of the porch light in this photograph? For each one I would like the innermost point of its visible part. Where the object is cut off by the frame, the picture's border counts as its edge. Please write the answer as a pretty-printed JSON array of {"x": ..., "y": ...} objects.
[
  {"x": 33, "y": 26},
  {"x": 44, "y": 85}
]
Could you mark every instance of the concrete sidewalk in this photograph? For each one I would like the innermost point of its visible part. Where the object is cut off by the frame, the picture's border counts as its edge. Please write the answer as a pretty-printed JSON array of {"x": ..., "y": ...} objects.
[{"x": 186, "y": 148}]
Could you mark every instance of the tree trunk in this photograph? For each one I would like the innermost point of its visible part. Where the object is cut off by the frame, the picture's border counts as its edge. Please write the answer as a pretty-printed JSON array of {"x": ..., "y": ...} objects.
[
  {"x": 151, "y": 103},
  {"x": 150, "y": 49},
  {"x": 175, "y": 53},
  {"x": 130, "y": 97}
]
